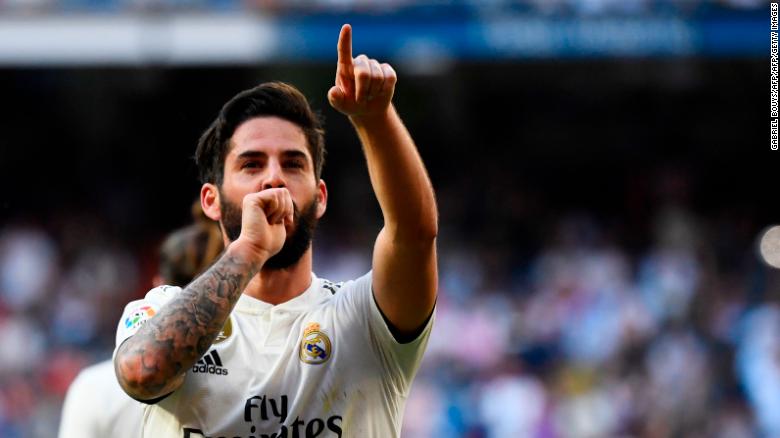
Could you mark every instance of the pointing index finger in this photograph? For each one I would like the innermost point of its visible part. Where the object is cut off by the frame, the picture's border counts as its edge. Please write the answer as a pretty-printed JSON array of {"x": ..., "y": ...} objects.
[{"x": 345, "y": 45}]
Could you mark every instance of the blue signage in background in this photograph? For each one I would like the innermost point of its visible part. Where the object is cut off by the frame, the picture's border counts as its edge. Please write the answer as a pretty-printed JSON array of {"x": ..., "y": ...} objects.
[
  {"x": 430, "y": 36},
  {"x": 519, "y": 36}
]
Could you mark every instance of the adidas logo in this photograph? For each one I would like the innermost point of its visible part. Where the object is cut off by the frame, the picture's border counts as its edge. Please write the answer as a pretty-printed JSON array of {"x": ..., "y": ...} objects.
[{"x": 210, "y": 363}]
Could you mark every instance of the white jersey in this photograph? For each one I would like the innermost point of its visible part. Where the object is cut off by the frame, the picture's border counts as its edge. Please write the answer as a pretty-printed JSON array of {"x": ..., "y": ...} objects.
[
  {"x": 97, "y": 407},
  {"x": 323, "y": 364}
]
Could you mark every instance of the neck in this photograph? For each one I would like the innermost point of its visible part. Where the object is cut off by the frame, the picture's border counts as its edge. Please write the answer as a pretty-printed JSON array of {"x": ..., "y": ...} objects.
[{"x": 276, "y": 286}]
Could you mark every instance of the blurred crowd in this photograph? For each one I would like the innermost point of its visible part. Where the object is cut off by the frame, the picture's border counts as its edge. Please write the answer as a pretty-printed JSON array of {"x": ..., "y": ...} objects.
[
  {"x": 576, "y": 7},
  {"x": 593, "y": 341},
  {"x": 62, "y": 290},
  {"x": 585, "y": 338}
]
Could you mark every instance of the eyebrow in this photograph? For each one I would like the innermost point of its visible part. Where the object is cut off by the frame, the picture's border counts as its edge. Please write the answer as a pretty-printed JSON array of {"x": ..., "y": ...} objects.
[
  {"x": 252, "y": 154},
  {"x": 295, "y": 154},
  {"x": 292, "y": 153}
]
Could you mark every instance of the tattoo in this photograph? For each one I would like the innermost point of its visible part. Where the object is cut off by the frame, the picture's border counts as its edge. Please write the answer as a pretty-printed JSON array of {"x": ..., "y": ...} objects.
[{"x": 170, "y": 343}]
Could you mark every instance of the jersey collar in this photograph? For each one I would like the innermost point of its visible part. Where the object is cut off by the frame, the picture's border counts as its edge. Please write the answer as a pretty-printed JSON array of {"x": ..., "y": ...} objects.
[{"x": 311, "y": 296}]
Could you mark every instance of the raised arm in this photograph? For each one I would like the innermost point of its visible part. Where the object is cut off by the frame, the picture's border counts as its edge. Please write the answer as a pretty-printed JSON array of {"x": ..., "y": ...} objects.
[
  {"x": 404, "y": 263},
  {"x": 153, "y": 362}
]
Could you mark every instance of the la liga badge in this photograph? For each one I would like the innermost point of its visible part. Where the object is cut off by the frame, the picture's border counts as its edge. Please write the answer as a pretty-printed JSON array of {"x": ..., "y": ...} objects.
[{"x": 138, "y": 316}]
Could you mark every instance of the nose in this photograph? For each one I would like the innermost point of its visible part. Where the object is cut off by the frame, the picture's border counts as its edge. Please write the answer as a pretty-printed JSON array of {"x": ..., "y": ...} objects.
[{"x": 274, "y": 177}]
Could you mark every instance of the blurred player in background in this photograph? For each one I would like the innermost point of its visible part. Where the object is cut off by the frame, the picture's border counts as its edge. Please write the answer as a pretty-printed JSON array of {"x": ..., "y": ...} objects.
[
  {"x": 190, "y": 250},
  {"x": 95, "y": 405},
  {"x": 298, "y": 356}
]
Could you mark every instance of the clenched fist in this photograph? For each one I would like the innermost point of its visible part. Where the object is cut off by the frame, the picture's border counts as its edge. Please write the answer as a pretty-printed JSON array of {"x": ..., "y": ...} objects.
[
  {"x": 264, "y": 219},
  {"x": 363, "y": 87}
]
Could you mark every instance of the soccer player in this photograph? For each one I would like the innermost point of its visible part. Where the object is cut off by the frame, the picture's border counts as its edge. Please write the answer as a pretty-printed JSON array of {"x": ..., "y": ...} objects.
[
  {"x": 258, "y": 346},
  {"x": 95, "y": 405}
]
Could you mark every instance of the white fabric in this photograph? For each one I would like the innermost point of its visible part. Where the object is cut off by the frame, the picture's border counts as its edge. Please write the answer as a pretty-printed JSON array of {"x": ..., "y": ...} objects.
[
  {"x": 354, "y": 384},
  {"x": 97, "y": 407}
]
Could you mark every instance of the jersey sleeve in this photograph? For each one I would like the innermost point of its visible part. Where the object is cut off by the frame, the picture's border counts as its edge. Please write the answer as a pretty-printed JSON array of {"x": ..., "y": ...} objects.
[
  {"x": 399, "y": 360},
  {"x": 139, "y": 311}
]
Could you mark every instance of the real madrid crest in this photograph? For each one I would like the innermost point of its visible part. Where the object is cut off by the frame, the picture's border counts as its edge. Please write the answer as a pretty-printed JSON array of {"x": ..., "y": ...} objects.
[{"x": 315, "y": 346}]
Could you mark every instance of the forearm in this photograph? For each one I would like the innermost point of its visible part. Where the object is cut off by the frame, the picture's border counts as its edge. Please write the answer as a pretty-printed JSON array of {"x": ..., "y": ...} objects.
[
  {"x": 155, "y": 358},
  {"x": 404, "y": 281},
  {"x": 398, "y": 177}
]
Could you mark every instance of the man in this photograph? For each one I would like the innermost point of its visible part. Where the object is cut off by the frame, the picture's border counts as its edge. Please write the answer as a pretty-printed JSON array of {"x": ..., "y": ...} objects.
[
  {"x": 258, "y": 346},
  {"x": 95, "y": 405}
]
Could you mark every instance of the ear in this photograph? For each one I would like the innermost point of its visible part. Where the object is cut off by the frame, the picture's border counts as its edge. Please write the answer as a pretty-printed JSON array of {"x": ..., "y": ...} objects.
[
  {"x": 209, "y": 201},
  {"x": 322, "y": 195}
]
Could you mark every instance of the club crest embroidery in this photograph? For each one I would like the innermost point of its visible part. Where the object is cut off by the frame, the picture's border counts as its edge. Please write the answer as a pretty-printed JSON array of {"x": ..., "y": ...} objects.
[{"x": 315, "y": 346}]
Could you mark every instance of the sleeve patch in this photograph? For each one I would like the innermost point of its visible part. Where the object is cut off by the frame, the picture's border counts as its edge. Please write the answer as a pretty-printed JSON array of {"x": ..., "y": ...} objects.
[{"x": 138, "y": 316}]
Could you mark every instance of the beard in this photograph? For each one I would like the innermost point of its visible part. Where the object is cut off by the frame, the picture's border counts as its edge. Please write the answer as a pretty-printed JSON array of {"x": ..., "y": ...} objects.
[{"x": 297, "y": 241}]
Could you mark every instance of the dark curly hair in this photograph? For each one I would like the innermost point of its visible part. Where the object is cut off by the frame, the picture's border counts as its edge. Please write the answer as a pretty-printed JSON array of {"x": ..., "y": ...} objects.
[
  {"x": 268, "y": 99},
  {"x": 188, "y": 251}
]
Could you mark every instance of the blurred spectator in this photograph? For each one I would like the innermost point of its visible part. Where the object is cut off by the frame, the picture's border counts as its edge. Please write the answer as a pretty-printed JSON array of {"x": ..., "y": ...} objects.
[
  {"x": 95, "y": 405},
  {"x": 758, "y": 364},
  {"x": 28, "y": 265}
]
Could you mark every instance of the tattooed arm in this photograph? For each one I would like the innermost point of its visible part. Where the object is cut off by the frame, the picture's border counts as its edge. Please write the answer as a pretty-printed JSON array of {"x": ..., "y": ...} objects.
[{"x": 153, "y": 362}]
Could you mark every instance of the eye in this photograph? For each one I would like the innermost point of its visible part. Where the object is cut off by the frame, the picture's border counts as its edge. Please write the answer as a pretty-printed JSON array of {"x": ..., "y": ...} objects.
[
  {"x": 294, "y": 164},
  {"x": 250, "y": 165}
]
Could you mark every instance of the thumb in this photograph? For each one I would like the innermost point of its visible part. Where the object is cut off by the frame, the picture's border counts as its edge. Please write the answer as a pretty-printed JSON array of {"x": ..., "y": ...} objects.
[{"x": 335, "y": 97}]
